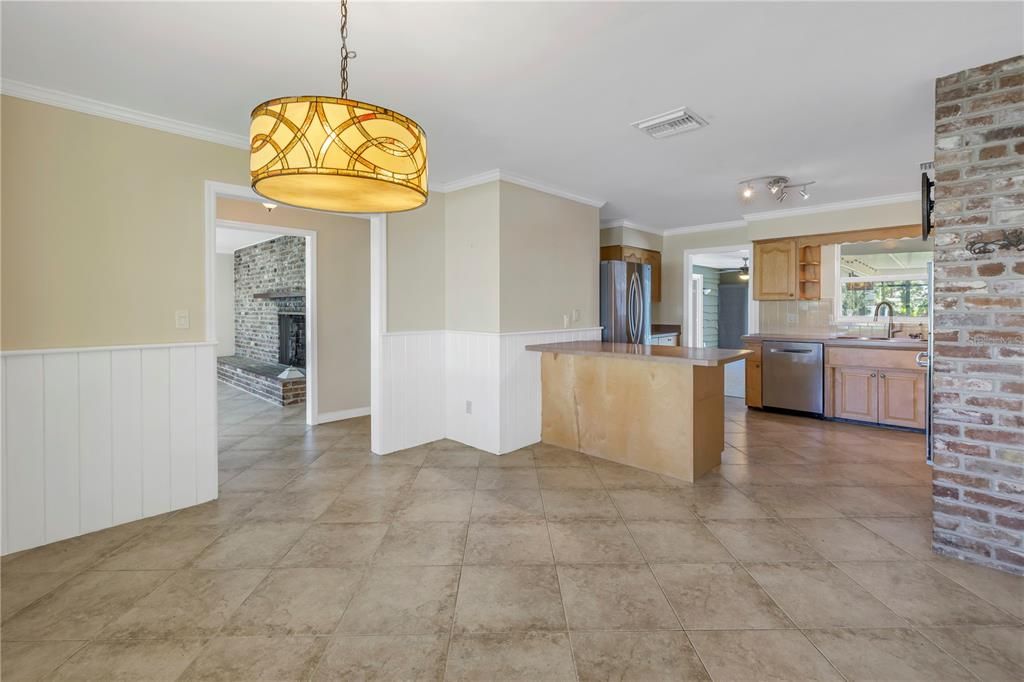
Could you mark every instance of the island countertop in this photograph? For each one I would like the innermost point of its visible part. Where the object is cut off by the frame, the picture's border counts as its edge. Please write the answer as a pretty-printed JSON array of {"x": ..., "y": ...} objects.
[{"x": 702, "y": 357}]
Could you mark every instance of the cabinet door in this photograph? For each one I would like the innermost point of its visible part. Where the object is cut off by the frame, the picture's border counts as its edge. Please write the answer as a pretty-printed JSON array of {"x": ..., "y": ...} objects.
[
  {"x": 753, "y": 391},
  {"x": 653, "y": 258},
  {"x": 775, "y": 270},
  {"x": 856, "y": 394},
  {"x": 611, "y": 253},
  {"x": 901, "y": 398},
  {"x": 632, "y": 254}
]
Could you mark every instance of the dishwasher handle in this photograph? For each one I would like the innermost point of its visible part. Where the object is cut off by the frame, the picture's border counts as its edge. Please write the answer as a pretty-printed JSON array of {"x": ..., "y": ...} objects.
[{"x": 802, "y": 351}]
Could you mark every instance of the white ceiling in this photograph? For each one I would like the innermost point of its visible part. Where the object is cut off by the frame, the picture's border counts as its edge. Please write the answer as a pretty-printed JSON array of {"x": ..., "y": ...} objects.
[
  {"x": 230, "y": 239},
  {"x": 841, "y": 93}
]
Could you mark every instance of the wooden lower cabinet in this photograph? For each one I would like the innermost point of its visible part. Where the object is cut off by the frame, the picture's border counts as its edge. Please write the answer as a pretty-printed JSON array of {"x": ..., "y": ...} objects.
[
  {"x": 901, "y": 398},
  {"x": 753, "y": 378},
  {"x": 855, "y": 392}
]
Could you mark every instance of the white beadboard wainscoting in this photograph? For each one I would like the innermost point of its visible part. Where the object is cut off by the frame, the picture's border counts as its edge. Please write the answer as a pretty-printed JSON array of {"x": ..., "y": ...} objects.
[
  {"x": 96, "y": 437},
  {"x": 429, "y": 377}
]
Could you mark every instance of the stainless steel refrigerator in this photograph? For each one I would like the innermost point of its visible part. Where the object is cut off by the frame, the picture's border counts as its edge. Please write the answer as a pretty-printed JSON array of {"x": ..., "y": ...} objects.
[
  {"x": 625, "y": 302},
  {"x": 925, "y": 359}
]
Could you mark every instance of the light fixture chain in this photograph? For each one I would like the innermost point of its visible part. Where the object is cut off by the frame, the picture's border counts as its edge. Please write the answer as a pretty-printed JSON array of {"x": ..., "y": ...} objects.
[{"x": 346, "y": 54}]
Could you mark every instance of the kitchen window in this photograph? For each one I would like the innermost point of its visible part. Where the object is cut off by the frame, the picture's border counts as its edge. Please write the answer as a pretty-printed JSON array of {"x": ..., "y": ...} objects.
[{"x": 893, "y": 270}]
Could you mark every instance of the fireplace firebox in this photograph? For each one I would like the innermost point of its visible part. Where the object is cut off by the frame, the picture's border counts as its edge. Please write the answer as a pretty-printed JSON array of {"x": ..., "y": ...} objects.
[{"x": 291, "y": 339}]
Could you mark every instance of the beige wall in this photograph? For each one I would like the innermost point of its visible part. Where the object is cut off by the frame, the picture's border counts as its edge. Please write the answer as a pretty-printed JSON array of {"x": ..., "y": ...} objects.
[
  {"x": 416, "y": 267},
  {"x": 224, "y": 302},
  {"x": 343, "y": 296},
  {"x": 471, "y": 256},
  {"x": 627, "y": 236},
  {"x": 670, "y": 310},
  {"x": 102, "y": 228},
  {"x": 549, "y": 260}
]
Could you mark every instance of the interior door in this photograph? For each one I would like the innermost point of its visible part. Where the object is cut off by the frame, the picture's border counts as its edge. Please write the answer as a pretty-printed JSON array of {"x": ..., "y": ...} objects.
[
  {"x": 856, "y": 394},
  {"x": 901, "y": 398}
]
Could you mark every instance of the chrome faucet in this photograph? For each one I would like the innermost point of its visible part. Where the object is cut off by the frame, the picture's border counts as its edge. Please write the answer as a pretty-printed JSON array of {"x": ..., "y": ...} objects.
[{"x": 890, "y": 313}]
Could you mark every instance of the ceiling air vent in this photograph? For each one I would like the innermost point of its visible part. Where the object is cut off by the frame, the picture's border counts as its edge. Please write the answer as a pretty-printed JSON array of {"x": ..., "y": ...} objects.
[{"x": 671, "y": 123}]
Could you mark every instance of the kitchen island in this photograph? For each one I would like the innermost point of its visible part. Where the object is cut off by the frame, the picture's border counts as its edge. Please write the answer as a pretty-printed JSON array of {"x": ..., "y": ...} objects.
[{"x": 658, "y": 408}]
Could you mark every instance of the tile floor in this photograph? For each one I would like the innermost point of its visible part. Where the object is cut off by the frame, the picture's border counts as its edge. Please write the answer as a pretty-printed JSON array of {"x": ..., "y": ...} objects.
[{"x": 806, "y": 557}]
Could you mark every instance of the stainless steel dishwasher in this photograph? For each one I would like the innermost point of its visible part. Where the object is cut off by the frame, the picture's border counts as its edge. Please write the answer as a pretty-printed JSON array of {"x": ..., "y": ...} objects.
[{"x": 793, "y": 376}]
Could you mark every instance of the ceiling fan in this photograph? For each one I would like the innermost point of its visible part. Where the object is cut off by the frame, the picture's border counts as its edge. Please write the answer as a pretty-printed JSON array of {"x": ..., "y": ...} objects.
[{"x": 744, "y": 269}]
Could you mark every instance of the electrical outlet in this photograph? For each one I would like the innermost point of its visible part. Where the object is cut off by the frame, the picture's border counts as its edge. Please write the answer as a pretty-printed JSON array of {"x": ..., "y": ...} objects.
[
  {"x": 565, "y": 321},
  {"x": 181, "y": 319},
  {"x": 575, "y": 314},
  {"x": 792, "y": 318},
  {"x": 469, "y": 407}
]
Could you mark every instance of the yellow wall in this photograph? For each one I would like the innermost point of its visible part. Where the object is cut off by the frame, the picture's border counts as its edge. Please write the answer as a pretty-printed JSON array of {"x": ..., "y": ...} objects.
[
  {"x": 343, "y": 296},
  {"x": 102, "y": 228},
  {"x": 416, "y": 267},
  {"x": 549, "y": 260},
  {"x": 670, "y": 310}
]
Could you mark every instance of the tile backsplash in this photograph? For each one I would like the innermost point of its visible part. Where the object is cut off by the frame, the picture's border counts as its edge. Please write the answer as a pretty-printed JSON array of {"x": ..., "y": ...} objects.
[{"x": 787, "y": 316}]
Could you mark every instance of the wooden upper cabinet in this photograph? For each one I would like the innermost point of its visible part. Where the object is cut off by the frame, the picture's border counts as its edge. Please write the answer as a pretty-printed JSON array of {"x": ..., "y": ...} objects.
[
  {"x": 775, "y": 270},
  {"x": 856, "y": 394},
  {"x": 901, "y": 398},
  {"x": 633, "y": 254}
]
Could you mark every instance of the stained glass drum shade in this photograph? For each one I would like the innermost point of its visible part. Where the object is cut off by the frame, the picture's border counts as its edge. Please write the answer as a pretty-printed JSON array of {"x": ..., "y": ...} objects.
[{"x": 336, "y": 154}]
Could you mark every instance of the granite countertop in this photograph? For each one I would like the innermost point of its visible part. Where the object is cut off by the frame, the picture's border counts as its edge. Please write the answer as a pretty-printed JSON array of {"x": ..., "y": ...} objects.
[
  {"x": 896, "y": 344},
  {"x": 704, "y": 357}
]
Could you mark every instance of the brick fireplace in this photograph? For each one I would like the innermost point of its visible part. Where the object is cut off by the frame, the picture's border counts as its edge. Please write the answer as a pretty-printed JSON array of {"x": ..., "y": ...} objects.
[{"x": 978, "y": 477}]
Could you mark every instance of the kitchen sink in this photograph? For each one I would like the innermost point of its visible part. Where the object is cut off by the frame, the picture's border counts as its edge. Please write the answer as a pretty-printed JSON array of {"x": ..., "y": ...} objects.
[{"x": 873, "y": 338}]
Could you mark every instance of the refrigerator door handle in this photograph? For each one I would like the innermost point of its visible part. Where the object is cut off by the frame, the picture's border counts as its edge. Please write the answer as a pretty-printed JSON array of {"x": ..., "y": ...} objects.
[{"x": 634, "y": 308}]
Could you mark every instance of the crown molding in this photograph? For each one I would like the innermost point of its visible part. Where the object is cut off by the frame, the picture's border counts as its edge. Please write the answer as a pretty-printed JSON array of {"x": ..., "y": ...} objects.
[
  {"x": 726, "y": 225},
  {"x": 497, "y": 174},
  {"x": 94, "y": 107},
  {"x": 619, "y": 222}
]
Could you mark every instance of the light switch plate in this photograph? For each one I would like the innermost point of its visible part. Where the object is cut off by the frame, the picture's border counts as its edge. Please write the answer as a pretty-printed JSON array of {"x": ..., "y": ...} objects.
[
  {"x": 575, "y": 314},
  {"x": 181, "y": 319},
  {"x": 469, "y": 407}
]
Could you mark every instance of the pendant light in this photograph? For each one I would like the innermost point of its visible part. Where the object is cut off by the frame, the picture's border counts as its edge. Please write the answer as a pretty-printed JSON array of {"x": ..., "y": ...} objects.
[{"x": 337, "y": 154}]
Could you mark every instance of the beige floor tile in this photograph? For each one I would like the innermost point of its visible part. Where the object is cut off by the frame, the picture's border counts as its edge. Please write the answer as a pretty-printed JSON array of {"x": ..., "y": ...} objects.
[
  {"x": 545, "y": 455},
  {"x": 508, "y": 599},
  {"x": 189, "y": 604},
  {"x": 1005, "y": 590},
  {"x": 34, "y": 660},
  {"x": 519, "y": 458},
  {"x": 266, "y": 442},
  {"x": 513, "y": 542},
  {"x": 792, "y": 502},
  {"x": 296, "y": 601},
  {"x": 507, "y": 505},
  {"x": 384, "y": 658},
  {"x": 82, "y": 606},
  {"x": 226, "y": 510},
  {"x": 751, "y": 474},
  {"x": 861, "y": 501},
  {"x": 327, "y": 479},
  {"x": 403, "y": 600},
  {"x": 648, "y": 656},
  {"x": 718, "y": 597},
  {"x": 75, "y": 554},
  {"x": 445, "y": 478},
  {"x": 259, "y": 480},
  {"x": 344, "y": 458},
  {"x": 422, "y": 544},
  {"x": 621, "y": 597},
  {"x": 654, "y": 505},
  {"x": 495, "y": 478},
  {"x": 130, "y": 660},
  {"x": 762, "y": 540},
  {"x": 762, "y": 655},
  {"x": 18, "y": 590},
  {"x": 846, "y": 540},
  {"x": 518, "y": 656},
  {"x": 363, "y": 506},
  {"x": 382, "y": 478},
  {"x": 575, "y": 505},
  {"x": 890, "y": 654},
  {"x": 568, "y": 478},
  {"x": 677, "y": 541},
  {"x": 990, "y": 653},
  {"x": 335, "y": 544},
  {"x": 257, "y": 658},
  {"x": 912, "y": 590},
  {"x": 166, "y": 547},
  {"x": 411, "y": 457},
  {"x": 819, "y": 595},
  {"x": 463, "y": 457},
  {"x": 913, "y": 535},
  {"x": 715, "y": 502},
  {"x": 287, "y": 459},
  {"x": 300, "y": 505},
  {"x": 615, "y": 476},
  {"x": 593, "y": 542},
  {"x": 251, "y": 545},
  {"x": 435, "y": 505}
]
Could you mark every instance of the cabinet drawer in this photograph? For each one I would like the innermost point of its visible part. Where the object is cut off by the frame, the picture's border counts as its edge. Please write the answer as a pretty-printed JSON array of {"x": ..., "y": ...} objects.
[{"x": 871, "y": 357}]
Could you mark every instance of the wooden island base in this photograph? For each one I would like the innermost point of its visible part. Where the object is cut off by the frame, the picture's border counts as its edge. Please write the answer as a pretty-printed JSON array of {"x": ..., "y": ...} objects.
[{"x": 664, "y": 417}]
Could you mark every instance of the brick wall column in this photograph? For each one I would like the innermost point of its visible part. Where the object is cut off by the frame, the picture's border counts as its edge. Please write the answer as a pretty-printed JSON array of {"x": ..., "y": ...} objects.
[{"x": 978, "y": 478}]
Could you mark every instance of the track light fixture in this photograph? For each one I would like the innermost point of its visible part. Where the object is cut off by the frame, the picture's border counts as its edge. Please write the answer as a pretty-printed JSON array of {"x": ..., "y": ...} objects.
[{"x": 777, "y": 186}]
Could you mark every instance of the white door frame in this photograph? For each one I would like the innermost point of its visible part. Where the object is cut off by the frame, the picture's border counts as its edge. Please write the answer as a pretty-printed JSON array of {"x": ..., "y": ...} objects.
[
  {"x": 688, "y": 255},
  {"x": 696, "y": 335},
  {"x": 378, "y": 297}
]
